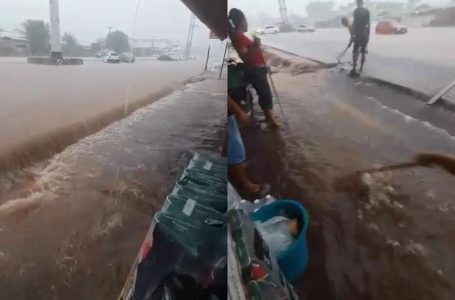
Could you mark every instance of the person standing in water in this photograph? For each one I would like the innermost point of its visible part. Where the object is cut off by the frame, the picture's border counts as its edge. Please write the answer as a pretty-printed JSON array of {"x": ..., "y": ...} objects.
[
  {"x": 256, "y": 68},
  {"x": 360, "y": 35}
]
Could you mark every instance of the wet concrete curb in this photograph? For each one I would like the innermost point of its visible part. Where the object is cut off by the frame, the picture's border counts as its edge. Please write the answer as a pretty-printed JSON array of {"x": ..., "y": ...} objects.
[{"x": 411, "y": 92}]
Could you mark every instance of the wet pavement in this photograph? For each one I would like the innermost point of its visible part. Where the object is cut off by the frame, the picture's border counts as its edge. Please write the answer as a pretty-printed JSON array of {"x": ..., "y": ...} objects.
[
  {"x": 384, "y": 236},
  {"x": 422, "y": 60},
  {"x": 70, "y": 227},
  {"x": 56, "y": 105}
]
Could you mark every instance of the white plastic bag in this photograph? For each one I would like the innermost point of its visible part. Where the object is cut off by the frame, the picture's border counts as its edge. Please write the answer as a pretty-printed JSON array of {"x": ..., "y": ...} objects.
[{"x": 275, "y": 232}]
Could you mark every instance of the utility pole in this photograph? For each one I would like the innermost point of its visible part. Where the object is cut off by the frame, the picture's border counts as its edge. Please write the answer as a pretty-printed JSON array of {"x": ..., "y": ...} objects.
[
  {"x": 283, "y": 11},
  {"x": 56, "y": 57},
  {"x": 56, "y": 43},
  {"x": 189, "y": 39}
]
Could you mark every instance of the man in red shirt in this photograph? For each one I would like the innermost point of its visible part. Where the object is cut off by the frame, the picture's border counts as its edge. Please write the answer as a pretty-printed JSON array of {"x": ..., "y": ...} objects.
[{"x": 255, "y": 66}]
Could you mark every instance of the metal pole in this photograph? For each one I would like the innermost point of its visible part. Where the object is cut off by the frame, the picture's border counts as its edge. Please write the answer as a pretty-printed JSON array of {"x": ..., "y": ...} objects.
[
  {"x": 189, "y": 38},
  {"x": 278, "y": 99},
  {"x": 444, "y": 91},
  {"x": 222, "y": 62},
  {"x": 56, "y": 43},
  {"x": 208, "y": 55}
]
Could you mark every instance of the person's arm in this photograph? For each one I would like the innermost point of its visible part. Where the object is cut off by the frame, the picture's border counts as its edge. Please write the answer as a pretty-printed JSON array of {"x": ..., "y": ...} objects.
[
  {"x": 241, "y": 116},
  {"x": 446, "y": 162}
]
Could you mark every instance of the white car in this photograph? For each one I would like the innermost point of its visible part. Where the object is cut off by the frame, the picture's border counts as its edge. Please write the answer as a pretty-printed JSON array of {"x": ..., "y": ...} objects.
[
  {"x": 271, "y": 29},
  {"x": 260, "y": 31},
  {"x": 111, "y": 57},
  {"x": 305, "y": 28}
]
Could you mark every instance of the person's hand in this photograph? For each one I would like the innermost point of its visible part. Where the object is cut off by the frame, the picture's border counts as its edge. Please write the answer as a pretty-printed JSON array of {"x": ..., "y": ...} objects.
[
  {"x": 243, "y": 118},
  {"x": 257, "y": 41}
]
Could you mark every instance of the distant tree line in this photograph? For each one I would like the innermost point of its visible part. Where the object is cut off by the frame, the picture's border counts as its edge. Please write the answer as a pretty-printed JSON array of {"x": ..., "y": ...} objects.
[{"x": 37, "y": 32}]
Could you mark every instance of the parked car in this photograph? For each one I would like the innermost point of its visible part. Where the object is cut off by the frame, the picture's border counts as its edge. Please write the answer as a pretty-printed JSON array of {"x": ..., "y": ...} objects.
[
  {"x": 260, "y": 31},
  {"x": 127, "y": 57},
  {"x": 271, "y": 29},
  {"x": 111, "y": 57},
  {"x": 305, "y": 28},
  {"x": 390, "y": 27},
  {"x": 284, "y": 27}
]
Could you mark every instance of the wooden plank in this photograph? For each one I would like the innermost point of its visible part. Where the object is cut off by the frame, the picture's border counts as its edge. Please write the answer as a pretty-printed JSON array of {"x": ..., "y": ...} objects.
[{"x": 441, "y": 93}]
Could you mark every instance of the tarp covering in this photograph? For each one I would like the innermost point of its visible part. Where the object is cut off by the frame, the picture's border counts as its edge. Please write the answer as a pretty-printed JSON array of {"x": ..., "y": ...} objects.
[{"x": 212, "y": 13}]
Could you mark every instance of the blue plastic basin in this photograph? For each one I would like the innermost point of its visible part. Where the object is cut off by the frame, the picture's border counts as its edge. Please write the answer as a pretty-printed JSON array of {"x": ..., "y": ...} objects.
[{"x": 294, "y": 260}]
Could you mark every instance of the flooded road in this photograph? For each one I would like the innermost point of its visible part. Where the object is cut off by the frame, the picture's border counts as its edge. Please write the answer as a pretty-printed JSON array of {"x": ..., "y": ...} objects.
[
  {"x": 421, "y": 60},
  {"x": 71, "y": 227},
  {"x": 47, "y": 107},
  {"x": 384, "y": 236}
]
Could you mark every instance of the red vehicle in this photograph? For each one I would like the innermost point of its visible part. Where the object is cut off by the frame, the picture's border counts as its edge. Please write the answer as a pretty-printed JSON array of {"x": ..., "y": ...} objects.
[{"x": 390, "y": 27}]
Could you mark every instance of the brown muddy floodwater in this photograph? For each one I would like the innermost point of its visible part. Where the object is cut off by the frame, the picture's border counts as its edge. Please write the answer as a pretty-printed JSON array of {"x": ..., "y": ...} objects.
[
  {"x": 45, "y": 107},
  {"x": 71, "y": 227},
  {"x": 391, "y": 236}
]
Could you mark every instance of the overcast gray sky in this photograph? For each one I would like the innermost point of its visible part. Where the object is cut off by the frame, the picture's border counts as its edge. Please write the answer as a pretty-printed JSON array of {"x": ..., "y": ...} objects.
[
  {"x": 271, "y": 6},
  {"x": 294, "y": 6},
  {"x": 89, "y": 19}
]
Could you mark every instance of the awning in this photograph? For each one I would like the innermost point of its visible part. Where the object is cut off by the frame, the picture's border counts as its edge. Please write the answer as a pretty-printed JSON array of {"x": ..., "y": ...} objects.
[{"x": 212, "y": 13}]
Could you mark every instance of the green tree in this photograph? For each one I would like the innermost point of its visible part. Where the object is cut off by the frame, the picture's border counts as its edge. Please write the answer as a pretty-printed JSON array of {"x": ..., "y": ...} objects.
[
  {"x": 38, "y": 36},
  {"x": 118, "y": 41},
  {"x": 71, "y": 46}
]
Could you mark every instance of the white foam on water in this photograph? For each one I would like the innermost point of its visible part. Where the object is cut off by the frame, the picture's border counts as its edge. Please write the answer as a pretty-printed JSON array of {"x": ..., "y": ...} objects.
[
  {"x": 373, "y": 226},
  {"x": 380, "y": 190},
  {"x": 393, "y": 243},
  {"x": 48, "y": 181},
  {"x": 28, "y": 202},
  {"x": 416, "y": 248}
]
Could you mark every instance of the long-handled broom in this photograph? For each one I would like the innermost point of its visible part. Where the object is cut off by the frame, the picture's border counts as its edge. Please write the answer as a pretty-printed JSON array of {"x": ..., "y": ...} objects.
[
  {"x": 269, "y": 73},
  {"x": 447, "y": 162}
]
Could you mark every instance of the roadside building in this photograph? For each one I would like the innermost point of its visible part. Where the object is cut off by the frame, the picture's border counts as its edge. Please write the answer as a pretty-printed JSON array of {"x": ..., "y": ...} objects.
[
  {"x": 13, "y": 44},
  {"x": 151, "y": 46},
  {"x": 430, "y": 14},
  {"x": 380, "y": 10}
]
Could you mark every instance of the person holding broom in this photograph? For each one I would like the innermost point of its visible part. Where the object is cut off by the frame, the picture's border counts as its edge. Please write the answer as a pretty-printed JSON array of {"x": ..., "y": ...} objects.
[
  {"x": 255, "y": 65},
  {"x": 360, "y": 33}
]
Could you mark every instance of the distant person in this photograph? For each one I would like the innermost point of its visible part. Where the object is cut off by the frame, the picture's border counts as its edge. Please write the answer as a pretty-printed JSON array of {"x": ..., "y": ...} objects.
[
  {"x": 255, "y": 66},
  {"x": 360, "y": 35},
  {"x": 236, "y": 154}
]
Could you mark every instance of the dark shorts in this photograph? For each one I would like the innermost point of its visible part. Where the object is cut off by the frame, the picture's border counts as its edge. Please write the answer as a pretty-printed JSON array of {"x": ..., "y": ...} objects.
[
  {"x": 361, "y": 44},
  {"x": 258, "y": 79}
]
